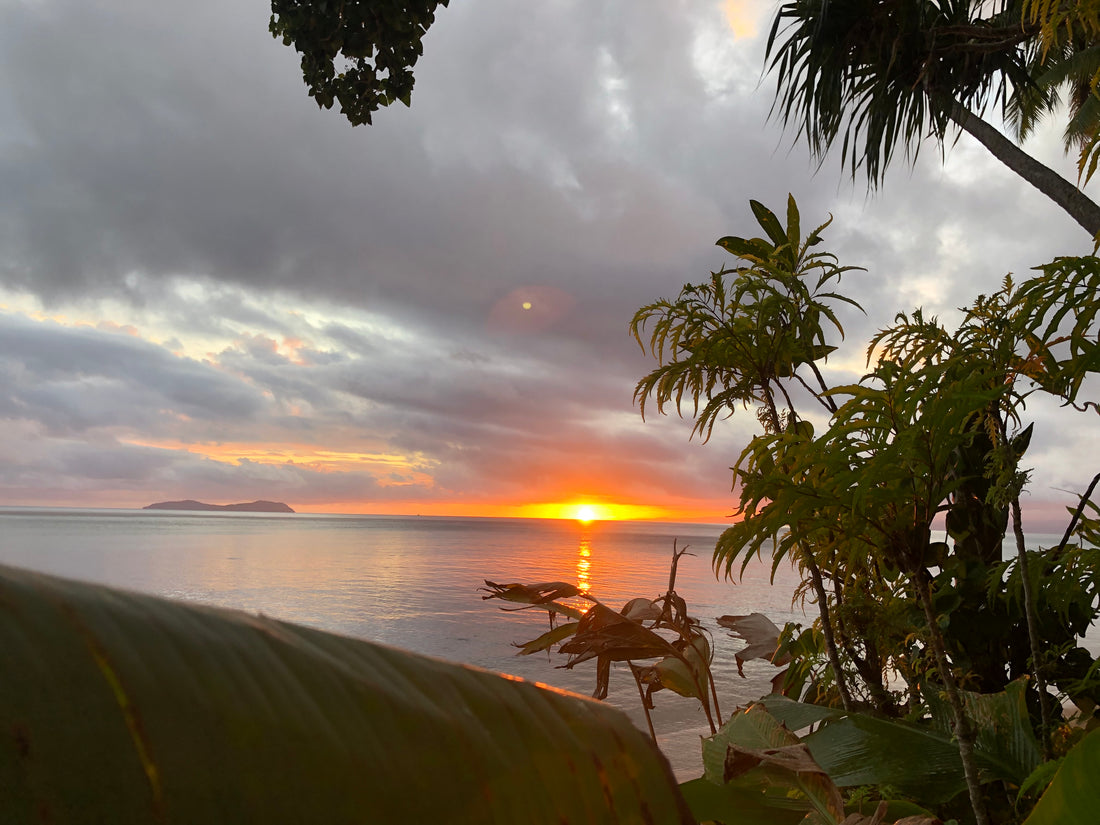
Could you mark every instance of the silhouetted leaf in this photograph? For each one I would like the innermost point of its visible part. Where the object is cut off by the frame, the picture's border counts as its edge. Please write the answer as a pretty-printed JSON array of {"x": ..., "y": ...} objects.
[
  {"x": 547, "y": 639},
  {"x": 536, "y": 595},
  {"x": 605, "y": 633}
]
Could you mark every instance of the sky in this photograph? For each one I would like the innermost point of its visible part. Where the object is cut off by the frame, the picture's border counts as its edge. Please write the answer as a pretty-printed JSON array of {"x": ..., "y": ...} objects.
[{"x": 212, "y": 289}]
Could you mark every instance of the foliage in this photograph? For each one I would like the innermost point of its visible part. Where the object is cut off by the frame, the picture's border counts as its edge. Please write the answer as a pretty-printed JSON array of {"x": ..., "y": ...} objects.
[
  {"x": 909, "y": 626},
  {"x": 762, "y": 765},
  {"x": 1068, "y": 55},
  {"x": 1073, "y": 796},
  {"x": 755, "y": 340},
  {"x": 358, "y": 52},
  {"x": 124, "y": 708},
  {"x": 913, "y": 760},
  {"x": 644, "y": 629},
  {"x": 1059, "y": 310},
  {"x": 750, "y": 334},
  {"x": 880, "y": 75},
  {"x": 758, "y": 770},
  {"x": 877, "y": 77}
]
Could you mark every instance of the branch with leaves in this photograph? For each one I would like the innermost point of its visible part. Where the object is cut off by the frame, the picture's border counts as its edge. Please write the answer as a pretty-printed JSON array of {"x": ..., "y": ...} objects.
[{"x": 660, "y": 632}]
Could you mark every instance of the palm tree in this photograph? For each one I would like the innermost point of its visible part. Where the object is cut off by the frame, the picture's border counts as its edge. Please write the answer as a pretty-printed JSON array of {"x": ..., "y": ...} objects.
[
  {"x": 1067, "y": 56},
  {"x": 887, "y": 73}
]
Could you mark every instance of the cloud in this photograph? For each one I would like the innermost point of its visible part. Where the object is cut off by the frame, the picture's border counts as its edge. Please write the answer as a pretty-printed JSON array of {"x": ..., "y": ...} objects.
[
  {"x": 228, "y": 268},
  {"x": 78, "y": 378}
]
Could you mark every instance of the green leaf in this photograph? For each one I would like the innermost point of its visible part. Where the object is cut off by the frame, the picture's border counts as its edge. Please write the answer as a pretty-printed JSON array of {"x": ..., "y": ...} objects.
[
  {"x": 769, "y": 223},
  {"x": 754, "y": 249},
  {"x": 794, "y": 236},
  {"x": 862, "y": 750},
  {"x": 1039, "y": 779},
  {"x": 123, "y": 708},
  {"x": 1006, "y": 747},
  {"x": 734, "y": 803},
  {"x": 690, "y": 677},
  {"x": 798, "y": 715},
  {"x": 1022, "y": 440},
  {"x": 922, "y": 759},
  {"x": 1073, "y": 797}
]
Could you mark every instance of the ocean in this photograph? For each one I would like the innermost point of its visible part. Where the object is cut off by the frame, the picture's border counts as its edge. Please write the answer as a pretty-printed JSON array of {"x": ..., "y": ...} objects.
[{"x": 412, "y": 583}]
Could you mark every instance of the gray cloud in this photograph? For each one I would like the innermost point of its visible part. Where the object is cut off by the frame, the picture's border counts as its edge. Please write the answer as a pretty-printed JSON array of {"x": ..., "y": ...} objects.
[
  {"x": 78, "y": 378},
  {"x": 165, "y": 163}
]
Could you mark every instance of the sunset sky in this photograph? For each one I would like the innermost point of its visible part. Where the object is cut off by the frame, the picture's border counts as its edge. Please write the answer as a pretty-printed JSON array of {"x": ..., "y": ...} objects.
[{"x": 211, "y": 289}]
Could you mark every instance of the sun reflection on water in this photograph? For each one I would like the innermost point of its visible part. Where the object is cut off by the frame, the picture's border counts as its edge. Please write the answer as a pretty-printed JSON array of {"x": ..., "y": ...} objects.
[{"x": 584, "y": 563}]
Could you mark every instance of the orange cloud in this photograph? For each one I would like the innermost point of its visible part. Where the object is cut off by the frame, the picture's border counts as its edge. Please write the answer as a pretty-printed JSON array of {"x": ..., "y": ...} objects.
[
  {"x": 742, "y": 16},
  {"x": 310, "y": 458}
]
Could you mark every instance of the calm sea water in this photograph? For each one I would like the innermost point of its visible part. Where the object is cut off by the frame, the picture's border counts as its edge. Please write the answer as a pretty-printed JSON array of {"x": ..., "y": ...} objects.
[{"x": 412, "y": 582}]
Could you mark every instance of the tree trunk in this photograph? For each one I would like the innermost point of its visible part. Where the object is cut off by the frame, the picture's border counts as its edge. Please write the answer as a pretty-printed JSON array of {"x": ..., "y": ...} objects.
[
  {"x": 965, "y": 735},
  {"x": 1032, "y": 624},
  {"x": 1075, "y": 202},
  {"x": 827, "y": 628}
]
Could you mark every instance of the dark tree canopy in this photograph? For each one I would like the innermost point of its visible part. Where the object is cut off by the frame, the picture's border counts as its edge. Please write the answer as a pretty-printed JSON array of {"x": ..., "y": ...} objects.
[{"x": 357, "y": 52}]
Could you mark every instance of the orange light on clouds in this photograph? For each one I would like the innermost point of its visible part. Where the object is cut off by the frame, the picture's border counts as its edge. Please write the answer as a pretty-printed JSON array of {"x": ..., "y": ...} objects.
[
  {"x": 743, "y": 16},
  {"x": 311, "y": 458},
  {"x": 411, "y": 487}
]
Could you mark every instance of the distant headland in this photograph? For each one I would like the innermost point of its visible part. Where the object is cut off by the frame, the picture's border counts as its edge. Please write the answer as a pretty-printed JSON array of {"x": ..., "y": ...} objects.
[{"x": 247, "y": 507}]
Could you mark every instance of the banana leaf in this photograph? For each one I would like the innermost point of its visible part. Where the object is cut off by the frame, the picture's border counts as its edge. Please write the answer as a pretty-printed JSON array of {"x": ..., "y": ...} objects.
[
  {"x": 921, "y": 760},
  {"x": 123, "y": 708},
  {"x": 797, "y": 715},
  {"x": 1006, "y": 746},
  {"x": 1073, "y": 797}
]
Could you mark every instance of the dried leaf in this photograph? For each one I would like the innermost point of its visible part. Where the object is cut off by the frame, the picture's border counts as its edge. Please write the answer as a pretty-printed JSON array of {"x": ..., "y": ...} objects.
[
  {"x": 541, "y": 595},
  {"x": 530, "y": 593},
  {"x": 753, "y": 628},
  {"x": 603, "y": 677},
  {"x": 640, "y": 610},
  {"x": 777, "y": 680},
  {"x": 550, "y": 637},
  {"x": 794, "y": 758},
  {"x": 648, "y": 678},
  {"x": 809, "y": 777},
  {"x": 762, "y": 636},
  {"x": 605, "y": 633}
]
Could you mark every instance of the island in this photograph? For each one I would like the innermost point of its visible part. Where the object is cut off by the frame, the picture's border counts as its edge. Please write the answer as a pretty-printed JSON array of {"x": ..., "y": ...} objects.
[{"x": 247, "y": 507}]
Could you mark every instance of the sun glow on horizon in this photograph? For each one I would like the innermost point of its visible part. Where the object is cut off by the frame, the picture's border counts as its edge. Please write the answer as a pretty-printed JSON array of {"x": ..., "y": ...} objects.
[
  {"x": 565, "y": 511},
  {"x": 586, "y": 513}
]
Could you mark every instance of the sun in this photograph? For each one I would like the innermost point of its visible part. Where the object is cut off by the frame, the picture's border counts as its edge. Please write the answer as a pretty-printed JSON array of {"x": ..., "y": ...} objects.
[{"x": 586, "y": 513}]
